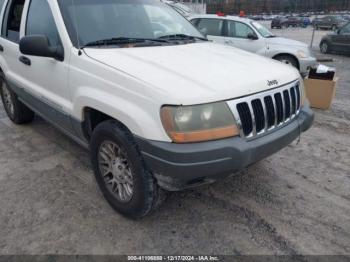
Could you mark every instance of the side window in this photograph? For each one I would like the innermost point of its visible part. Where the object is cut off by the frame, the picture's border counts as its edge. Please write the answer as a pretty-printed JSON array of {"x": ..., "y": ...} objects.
[
  {"x": 12, "y": 20},
  {"x": 239, "y": 30},
  {"x": 210, "y": 26},
  {"x": 195, "y": 21},
  {"x": 41, "y": 22},
  {"x": 1, "y": 4}
]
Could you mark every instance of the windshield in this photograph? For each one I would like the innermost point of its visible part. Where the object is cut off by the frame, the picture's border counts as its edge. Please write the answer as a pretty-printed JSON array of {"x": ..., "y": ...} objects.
[
  {"x": 94, "y": 20},
  {"x": 262, "y": 30}
]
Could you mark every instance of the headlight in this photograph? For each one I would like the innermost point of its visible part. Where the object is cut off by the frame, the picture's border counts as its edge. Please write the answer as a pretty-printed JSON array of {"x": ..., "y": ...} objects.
[
  {"x": 302, "y": 54},
  {"x": 186, "y": 124}
]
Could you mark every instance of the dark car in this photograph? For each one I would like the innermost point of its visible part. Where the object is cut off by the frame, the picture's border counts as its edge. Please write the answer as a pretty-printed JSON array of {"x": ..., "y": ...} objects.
[
  {"x": 316, "y": 21},
  {"x": 282, "y": 22},
  {"x": 338, "y": 41},
  {"x": 257, "y": 17},
  {"x": 277, "y": 22},
  {"x": 329, "y": 22},
  {"x": 293, "y": 21}
]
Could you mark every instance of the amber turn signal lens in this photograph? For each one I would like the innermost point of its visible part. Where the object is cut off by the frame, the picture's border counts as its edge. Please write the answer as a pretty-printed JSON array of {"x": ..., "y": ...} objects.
[{"x": 204, "y": 135}]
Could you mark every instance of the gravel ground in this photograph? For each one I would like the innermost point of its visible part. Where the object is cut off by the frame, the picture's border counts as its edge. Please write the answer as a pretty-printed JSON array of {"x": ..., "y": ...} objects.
[{"x": 294, "y": 202}]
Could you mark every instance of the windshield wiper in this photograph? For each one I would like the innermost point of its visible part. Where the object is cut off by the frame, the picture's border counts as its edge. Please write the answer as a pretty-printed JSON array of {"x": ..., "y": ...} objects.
[
  {"x": 123, "y": 40},
  {"x": 182, "y": 37},
  {"x": 270, "y": 36}
]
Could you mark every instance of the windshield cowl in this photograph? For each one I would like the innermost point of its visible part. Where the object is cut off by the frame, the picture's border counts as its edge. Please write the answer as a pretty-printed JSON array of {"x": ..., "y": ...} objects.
[{"x": 124, "y": 42}]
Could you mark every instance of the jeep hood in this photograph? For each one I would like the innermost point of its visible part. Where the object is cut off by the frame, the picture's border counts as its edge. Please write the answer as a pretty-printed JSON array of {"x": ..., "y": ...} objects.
[
  {"x": 196, "y": 73},
  {"x": 285, "y": 42}
]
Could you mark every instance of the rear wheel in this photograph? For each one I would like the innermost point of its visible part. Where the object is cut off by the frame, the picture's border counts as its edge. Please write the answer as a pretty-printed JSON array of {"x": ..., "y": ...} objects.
[
  {"x": 287, "y": 59},
  {"x": 126, "y": 183},
  {"x": 15, "y": 109}
]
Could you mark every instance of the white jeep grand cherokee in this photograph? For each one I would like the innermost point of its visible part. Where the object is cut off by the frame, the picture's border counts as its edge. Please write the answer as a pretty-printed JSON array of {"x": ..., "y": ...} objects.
[{"x": 156, "y": 104}]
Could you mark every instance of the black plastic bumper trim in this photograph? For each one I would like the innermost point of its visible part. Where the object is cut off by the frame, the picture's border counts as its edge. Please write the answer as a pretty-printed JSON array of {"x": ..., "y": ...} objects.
[{"x": 180, "y": 166}]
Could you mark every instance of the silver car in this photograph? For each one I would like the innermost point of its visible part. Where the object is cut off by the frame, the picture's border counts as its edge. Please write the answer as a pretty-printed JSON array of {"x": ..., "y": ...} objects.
[{"x": 251, "y": 36}]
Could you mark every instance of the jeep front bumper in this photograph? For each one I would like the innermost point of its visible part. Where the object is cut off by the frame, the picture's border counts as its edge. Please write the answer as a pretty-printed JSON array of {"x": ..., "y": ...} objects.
[{"x": 181, "y": 166}]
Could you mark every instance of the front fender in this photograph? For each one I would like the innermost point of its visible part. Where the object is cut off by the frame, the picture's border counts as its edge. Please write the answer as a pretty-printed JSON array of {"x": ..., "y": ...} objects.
[
  {"x": 142, "y": 119},
  {"x": 274, "y": 51}
]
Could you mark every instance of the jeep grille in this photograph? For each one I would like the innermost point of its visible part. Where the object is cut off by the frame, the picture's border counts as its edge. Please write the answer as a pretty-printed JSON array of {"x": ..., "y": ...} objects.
[{"x": 263, "y": 112}]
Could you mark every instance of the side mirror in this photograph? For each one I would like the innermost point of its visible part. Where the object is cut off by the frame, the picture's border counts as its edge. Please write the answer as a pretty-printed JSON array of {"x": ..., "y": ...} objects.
[
  {"x": 252, "y": 36},
  {"x": 38, "y": 45}
]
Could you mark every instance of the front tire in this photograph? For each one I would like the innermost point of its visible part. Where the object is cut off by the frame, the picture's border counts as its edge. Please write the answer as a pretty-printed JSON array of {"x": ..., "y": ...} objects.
[
  {"x": 125, "y": 182},
  {"x": 287, "y": 59},
  {"x": 15, "y": 109}
]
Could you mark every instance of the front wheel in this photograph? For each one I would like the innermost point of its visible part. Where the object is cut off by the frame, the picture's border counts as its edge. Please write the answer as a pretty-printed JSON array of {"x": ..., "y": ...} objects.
[
  {"x": 324, "y": 47},
  {"x": 15, "y": 109},
  {"x": 126, "y": 183}
]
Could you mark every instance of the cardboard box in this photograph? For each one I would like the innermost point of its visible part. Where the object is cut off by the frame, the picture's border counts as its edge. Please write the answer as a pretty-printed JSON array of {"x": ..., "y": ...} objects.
[{"x": 320, "y": 93}]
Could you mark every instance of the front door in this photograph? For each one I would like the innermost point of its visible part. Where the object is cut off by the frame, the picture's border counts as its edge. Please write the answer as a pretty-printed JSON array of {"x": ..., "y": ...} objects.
[
  {"x": 237, "y": 35},
  {"x": 45, "y": 78},
  {"x": 341, "y": 41}
]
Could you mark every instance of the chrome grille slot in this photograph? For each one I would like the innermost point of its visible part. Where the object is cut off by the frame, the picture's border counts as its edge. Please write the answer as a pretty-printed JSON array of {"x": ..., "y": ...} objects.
[
  {"x": 263, "y": 112},
  {"x": 294, "y": 101},
  {"x": 287, "y": 103}
]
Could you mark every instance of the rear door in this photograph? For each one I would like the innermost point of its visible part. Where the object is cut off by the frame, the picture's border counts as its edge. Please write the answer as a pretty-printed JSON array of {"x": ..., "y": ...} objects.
[
  {"x": 213, "y": 28},
  {"x": 9, "y": 40},
  {"x": 237, "y": 36}
]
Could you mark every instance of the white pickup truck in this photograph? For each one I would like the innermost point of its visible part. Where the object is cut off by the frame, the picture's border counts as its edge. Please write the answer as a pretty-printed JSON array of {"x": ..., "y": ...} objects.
[{"x": 157, "y": 105}]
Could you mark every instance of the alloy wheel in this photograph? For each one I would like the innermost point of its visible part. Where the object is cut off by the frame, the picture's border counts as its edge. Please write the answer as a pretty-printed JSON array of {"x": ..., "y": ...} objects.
[
  {"x": 324, "y": 47},
  {"x": 116, "y": 171}
]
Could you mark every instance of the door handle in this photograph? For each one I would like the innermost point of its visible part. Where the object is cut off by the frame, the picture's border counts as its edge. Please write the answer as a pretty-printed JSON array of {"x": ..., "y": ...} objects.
[
  {"x": 1, "y": 48},
  {"x": 25, "y": 60},
  {"x": 229, "y": 42}
]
